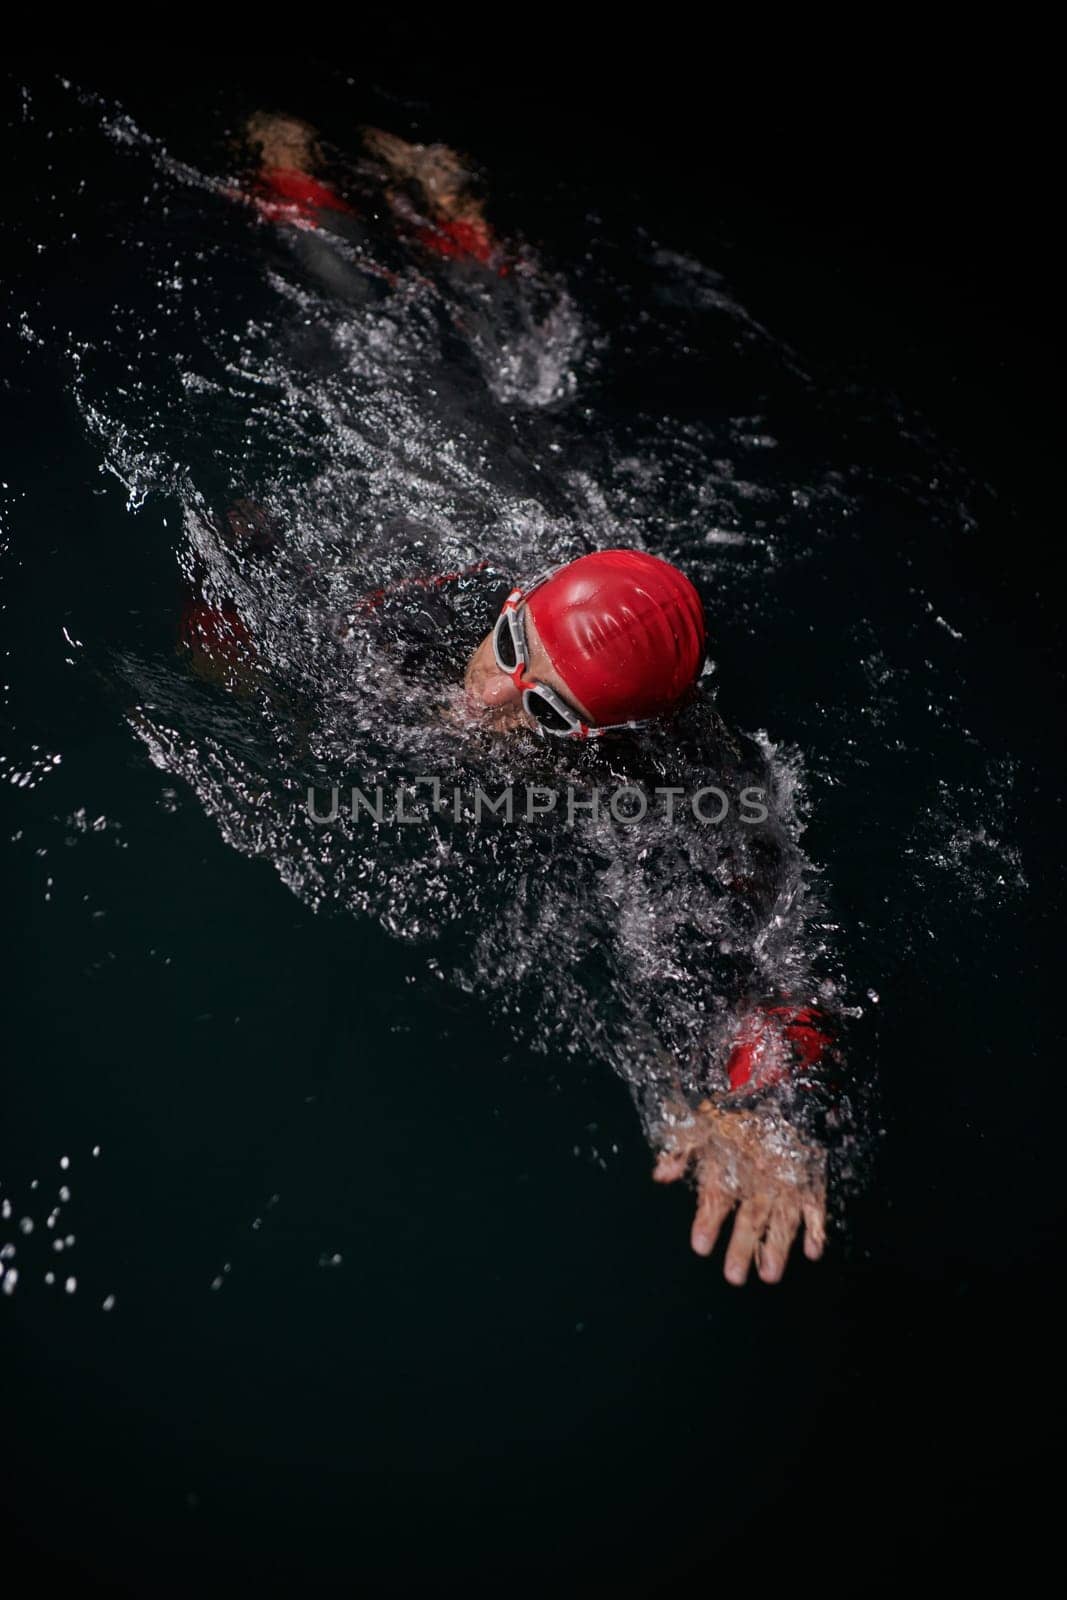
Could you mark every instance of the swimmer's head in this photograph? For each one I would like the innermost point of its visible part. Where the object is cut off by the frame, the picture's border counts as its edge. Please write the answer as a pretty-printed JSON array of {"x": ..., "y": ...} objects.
[{"x": 616, "y": 637}]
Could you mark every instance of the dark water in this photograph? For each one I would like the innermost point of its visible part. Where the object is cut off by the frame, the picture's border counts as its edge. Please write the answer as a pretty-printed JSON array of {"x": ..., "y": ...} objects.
[{"x": 394, "y": 1300}]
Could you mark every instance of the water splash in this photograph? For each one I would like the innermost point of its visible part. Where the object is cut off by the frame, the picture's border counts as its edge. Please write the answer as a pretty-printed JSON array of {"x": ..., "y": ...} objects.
[{"x": 319, "y": 432}]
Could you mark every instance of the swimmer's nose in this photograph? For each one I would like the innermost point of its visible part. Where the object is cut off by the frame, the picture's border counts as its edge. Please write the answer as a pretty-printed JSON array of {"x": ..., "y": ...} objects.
[{"x": 497, "y": 689}]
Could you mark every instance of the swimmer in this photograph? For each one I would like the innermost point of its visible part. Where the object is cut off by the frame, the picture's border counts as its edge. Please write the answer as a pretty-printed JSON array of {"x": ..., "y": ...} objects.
[
  {"x": 595, "y": 650},
  {"x": 605, "y": 645}
]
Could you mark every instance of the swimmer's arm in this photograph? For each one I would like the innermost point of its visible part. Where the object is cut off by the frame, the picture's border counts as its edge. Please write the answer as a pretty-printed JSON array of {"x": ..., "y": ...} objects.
[{"x": 745, "y": 1154}]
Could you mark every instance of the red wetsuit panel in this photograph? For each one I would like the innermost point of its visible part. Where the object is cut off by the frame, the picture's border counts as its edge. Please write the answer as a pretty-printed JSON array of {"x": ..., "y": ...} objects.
[
  {"x": 756, "y": 1060},
  {"x": 459, "y": 241},
  {"x": 216, "y": 633},
  {"x": 377, "y": 597},
  {"x": 288, "y": 195}
]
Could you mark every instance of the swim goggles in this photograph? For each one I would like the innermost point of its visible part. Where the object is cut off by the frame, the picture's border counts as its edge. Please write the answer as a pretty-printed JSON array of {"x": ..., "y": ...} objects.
[{"x": 549, "y": 710}]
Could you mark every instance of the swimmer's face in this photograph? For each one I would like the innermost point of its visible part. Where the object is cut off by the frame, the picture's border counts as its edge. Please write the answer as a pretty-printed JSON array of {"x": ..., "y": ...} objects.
[{"x": 499, "y": 697}]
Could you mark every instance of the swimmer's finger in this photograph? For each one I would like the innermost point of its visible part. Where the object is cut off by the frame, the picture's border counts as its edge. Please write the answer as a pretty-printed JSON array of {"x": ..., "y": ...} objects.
[
  {"x": 773, "y": 1253},
  {"x": 670, "y": 1164},
  {"x": 713, "y": 1207},
  {"x": 814, "y": 1210},
  {"x": 749, "y": 1228}
]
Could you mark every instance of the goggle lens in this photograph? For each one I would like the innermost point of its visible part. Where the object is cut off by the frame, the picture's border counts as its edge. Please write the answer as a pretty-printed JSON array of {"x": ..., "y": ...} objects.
[
  {"x": 546, "y": 714},
  {"x": 504, "y": 644}
]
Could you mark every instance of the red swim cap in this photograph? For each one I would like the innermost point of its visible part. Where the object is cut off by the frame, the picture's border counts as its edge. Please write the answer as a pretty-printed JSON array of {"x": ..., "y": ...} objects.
[{"x": 625, "y": 632}]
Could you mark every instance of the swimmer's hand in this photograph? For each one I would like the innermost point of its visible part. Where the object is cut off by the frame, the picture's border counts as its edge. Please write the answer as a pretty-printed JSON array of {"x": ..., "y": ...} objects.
[{"x": 755, "y": 1162}]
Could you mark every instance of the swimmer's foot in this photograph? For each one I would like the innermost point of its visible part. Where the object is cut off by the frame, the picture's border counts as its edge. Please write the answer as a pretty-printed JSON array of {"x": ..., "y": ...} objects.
[
  {"x": 753, "y": 1162},
  {"x": 283, "y": 143}
]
